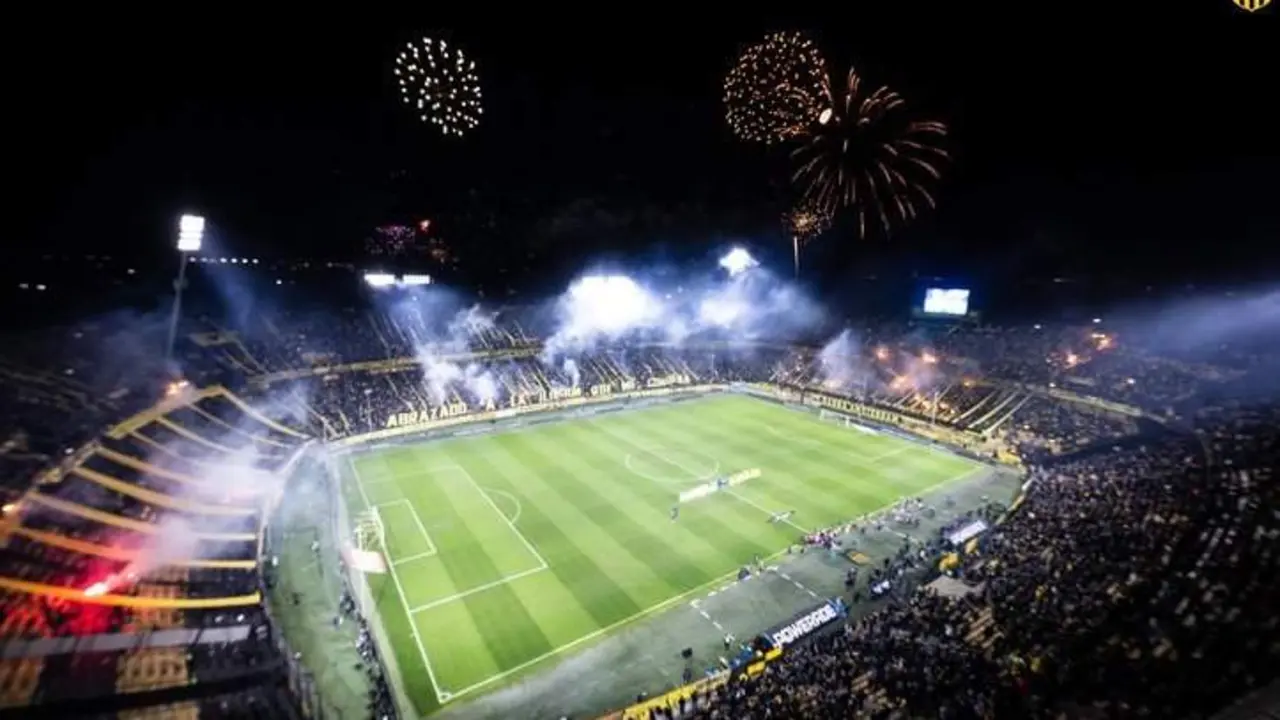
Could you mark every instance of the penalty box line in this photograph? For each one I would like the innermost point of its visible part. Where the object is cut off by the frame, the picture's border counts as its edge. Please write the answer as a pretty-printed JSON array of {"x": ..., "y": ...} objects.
[
  {"x": 441, "y": 695},
  {"x": 431, "y": 550},
  {"x": 542, "y": 562},
  {"x": 662, "y": 605}
]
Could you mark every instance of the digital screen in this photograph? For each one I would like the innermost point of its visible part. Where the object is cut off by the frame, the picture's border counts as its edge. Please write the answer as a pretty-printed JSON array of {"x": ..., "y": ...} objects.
[{"x": 946, "y": 301}]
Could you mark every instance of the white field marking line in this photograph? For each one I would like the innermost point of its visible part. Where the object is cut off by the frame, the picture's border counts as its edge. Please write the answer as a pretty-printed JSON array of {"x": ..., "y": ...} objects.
[
  {"x": 515, "y": 500},
  {"x": 411, "y": 558},
  {"x": 421, "y": 528},
  {"x": 764, "y": 510},
  {"x": 601, "y": 631},
  {"x": 867, "y": 461},
  {"x": 542, "y": 562},
  {"x": 478, "y": 589},
  {"x": 442, "y": 696},
  {"x": 629, "y": 463},
  {"x": 714, "y": 584},
  {"x": 811, "y": 442},
  {"x": 889, "y": 454},
  {"x": 651, "y": 451},
  {"x": 922, "y": 444}
]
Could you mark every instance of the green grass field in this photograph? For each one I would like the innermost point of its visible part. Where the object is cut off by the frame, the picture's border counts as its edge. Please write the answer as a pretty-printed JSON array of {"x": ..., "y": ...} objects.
[{"x": 510, "y": 550}]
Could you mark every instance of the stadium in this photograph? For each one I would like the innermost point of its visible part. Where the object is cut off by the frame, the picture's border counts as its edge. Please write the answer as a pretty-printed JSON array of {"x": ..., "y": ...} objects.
[
  {"x": 633, "y": 503},
  {"x": 384, "y": 368}
]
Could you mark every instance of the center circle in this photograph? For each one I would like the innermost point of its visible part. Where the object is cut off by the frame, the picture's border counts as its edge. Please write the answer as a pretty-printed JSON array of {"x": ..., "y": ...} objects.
[{"x": 671, "y": 466}]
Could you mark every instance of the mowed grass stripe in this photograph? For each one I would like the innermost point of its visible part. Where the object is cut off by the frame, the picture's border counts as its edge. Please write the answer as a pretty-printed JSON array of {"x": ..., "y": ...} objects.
[
  {"x": 747, "y": 521},
  {"x": 716, "y": 537},
  {"x": 725, "y": 535},
  {"x": 588, "y": 528},
  {"x": 657, "y": 431},
  {"x": 816, "y": 470},
  {"x": 896, "y": 474},
  {"x": 644, "y": 540},
  {"x": 487, "y": 530},
  {"x": 790, "y": 480},
  {"x": 402, "y": 536},
  {"x": 828, "y": 471},
  {"x": 596, "y": 576},
  {"x": 501, "y": 619},
  {"x": 568, "y": 599},
  {"x": 599, "y": 573},
  {"x": 455, "y": 641},
  {"x": 836, "y": 437}
]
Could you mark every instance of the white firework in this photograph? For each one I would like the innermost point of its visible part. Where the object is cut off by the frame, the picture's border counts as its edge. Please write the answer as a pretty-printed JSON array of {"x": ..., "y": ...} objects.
[{"x": 440, "y": 84}]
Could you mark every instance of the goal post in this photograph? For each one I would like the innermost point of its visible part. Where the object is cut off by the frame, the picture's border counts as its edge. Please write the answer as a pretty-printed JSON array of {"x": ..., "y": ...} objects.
[
  {"x": 365, "y": 550},
  {"x": 369, "y": 533},
  {"x": 839, "y": 419}
]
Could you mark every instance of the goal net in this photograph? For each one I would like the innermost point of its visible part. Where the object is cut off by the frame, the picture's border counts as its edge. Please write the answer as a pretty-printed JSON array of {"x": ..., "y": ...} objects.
[
  {"x": 837, "y": 418},
  {"x": 369, "y": 532}
]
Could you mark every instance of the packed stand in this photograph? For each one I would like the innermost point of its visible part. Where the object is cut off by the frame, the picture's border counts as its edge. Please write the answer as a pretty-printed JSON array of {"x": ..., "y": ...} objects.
[
  {"x": 1140, "y": 582},
  {"x": 149, "y": 513}
]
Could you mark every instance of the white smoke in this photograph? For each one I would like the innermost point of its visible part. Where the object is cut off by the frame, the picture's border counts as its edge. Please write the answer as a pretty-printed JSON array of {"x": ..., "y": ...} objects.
[
  {"x": 439, "y": 374},
  {"x": 570, "y": 368},
  {"x": 439, "y": 334},
  {"x": 841, "y": 366},
  {"x": 480, "y": 382},
  {"x": 599, "y": 309},
  {"x": 469, "y": 323},
  {"x": 602, "y": 308},
  {"x": 238, "y": 477}
]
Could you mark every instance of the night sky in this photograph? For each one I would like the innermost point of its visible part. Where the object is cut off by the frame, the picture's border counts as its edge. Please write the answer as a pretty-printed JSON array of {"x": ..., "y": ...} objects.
[{"x": 1130, "y": 140}]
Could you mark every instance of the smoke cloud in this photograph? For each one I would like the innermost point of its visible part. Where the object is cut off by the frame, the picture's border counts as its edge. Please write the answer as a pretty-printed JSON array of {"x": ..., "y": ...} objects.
[
  {"x": 841, "y": 365},
  {"x": 599, "y": 309}
]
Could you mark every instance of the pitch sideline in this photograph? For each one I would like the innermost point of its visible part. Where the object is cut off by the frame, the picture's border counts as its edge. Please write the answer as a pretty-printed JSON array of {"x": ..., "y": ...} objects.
[
  {"x": 442, "y": 696},
  {"x": 431, "y": 552},
  {"x": 674, "y": 599}
]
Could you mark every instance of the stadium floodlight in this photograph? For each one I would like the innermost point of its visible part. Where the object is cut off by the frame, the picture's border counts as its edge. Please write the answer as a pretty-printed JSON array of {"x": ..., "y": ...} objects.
[
  {"x": 190, "y": 239},
  {"x": 737, "y": 261},
  {"x": 190, "y": 233},
  {"x": 384, "y": 280},
  {"x": 380, "y": 280}
]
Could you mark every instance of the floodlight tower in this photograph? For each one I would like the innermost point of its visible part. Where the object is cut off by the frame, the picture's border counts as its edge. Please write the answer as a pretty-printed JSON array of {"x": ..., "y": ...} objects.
[{"x": 190, "y": 238}]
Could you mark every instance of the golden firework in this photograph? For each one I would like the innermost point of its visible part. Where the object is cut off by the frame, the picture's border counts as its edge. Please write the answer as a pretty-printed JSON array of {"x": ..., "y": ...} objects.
[
  {"x": 776, "y": 89},
  {"x": 867, "y": 153},
  {"x": 803, "y": 223},
  {"x": 807, "y": 221}
]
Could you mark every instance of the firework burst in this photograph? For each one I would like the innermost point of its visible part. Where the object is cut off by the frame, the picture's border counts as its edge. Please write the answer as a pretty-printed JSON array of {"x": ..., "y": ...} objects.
[
  {"x": 803, "y": 223},
  {"x": 776, "y": 89},
  {"x": 867, "y": 152},
  {"x": 440, "y": 84}
]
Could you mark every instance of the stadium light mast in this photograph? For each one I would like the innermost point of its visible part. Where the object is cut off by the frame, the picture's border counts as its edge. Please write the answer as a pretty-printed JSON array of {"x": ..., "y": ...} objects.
[{"x": 190, "y": 238}]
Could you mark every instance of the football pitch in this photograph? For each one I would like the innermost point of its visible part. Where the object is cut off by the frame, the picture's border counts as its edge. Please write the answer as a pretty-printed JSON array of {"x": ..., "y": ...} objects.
[{"x": 510, "y": 550}]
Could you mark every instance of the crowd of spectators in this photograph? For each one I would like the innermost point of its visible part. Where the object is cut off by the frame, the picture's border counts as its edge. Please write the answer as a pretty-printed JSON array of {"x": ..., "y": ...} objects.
[
  {"x": 381, "y": 702},
  {"x": 1134, "y": 582},
  {"x": 1138, "y": 575}
]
